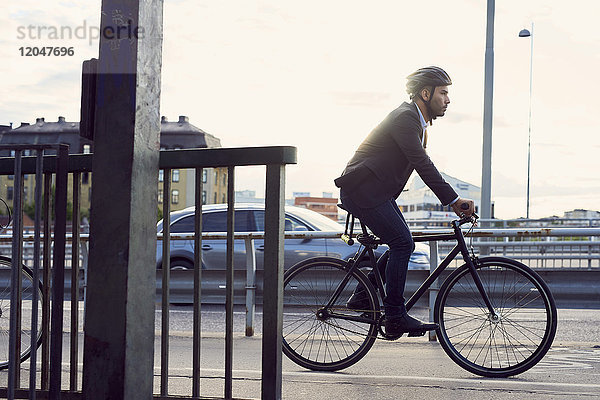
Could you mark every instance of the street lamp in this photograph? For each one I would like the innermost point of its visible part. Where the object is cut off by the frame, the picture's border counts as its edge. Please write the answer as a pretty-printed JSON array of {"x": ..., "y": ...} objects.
[{"x": 526, "y": 33}]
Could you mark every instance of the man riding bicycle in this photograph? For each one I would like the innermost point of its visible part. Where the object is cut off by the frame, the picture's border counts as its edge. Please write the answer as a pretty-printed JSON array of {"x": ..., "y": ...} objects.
[{"x": 376, "y": 175}]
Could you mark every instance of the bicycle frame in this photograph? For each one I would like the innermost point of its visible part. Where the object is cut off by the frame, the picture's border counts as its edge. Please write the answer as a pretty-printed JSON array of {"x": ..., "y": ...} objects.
[{"x": 460, "y": 247}]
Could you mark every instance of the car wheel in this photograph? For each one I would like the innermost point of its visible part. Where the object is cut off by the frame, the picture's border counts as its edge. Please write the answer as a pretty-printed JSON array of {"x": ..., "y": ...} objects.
[{"x": 179, "y": 264}]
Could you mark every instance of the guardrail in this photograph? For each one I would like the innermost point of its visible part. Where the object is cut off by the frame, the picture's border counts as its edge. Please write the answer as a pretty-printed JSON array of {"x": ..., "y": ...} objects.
[{"x": 566, "y": 288}]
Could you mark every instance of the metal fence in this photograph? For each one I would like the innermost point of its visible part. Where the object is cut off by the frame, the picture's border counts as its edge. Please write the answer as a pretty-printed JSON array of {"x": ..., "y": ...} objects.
[
  {"x": 52, "y": 385},
  {"x": 51, "y": 181}
]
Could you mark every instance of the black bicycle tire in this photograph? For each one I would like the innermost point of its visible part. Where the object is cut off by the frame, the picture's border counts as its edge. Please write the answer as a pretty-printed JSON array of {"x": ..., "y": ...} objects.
[
  {"x": 549, "y": 311},
  {"x": 27, "y": 274},
  {"x": 313, "y": 363}
]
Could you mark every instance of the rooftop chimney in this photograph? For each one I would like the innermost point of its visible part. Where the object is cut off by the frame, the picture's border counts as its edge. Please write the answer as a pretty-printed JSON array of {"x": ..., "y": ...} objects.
[
  {"x": 39, "y": 120},
  {"x": 183, "y": 119},
  {"x": 61, "y": 120},
  {"x": 24, "y": 124},
  {"x": 163, "y": 119}
]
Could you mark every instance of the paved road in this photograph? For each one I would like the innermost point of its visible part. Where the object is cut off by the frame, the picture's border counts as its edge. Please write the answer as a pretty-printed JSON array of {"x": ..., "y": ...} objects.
[{"x": 410, "y": 368}]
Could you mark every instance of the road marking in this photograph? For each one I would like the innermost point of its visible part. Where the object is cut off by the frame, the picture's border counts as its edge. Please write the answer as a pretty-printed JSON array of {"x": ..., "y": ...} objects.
[{"x": 340, "y": 377}]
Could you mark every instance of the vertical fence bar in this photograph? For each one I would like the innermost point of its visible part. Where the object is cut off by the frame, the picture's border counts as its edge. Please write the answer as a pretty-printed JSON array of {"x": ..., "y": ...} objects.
[
  {"x": 14, "y": 348},
  {"x": 197, "y": 327},
  {"x": 58, "y": 272},
  {"x": 75, "y": 281},
  {"x": 229, "y": 284},
  {"x": 46, "y": 283},
  {"x": 166, "y": 269},
  {"x": 36, "y": 273},
  {"x": 250, "y": 285},
  {"x": 273, "y": 282}
]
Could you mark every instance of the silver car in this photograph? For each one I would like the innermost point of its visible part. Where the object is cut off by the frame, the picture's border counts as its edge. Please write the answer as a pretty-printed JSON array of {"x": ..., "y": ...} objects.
[{"x": 250, "y": 218}]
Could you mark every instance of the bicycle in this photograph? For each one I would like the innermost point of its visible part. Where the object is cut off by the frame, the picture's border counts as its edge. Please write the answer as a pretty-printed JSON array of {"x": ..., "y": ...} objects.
[
  {"x": 27, "y": 290},
  {"x": 496, "y": 316}
]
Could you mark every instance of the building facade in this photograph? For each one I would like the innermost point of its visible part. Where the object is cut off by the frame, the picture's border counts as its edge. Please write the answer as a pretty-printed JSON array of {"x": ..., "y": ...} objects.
[
  {"x": 417, "y": 201},
  {"x": 183, "y": 135},
  {"x": 174, "y": 135},
  {"x": 323, "y": 205}
]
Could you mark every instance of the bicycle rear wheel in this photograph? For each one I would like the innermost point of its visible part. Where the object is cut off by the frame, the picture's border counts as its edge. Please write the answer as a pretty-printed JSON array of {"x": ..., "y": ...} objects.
[
  {"x": 27, "y": 288},
  {"x": 325, "y": 338},
  {"x": 501, "y": 345}
]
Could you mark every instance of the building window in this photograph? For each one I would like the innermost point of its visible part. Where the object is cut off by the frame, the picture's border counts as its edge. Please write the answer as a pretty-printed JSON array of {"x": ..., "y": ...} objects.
[
  {"x": 161, "y": 175},
  {"x": 224, "y": 179},
  {"x": 25, "y": 194},
  {"x": 215, "y": 198},
  {"x": 10, "y": 192},
  {"x": 175, "y": 196},
  {"x": 175, "y": 176},
  {"x": 204, "y": 175},
  {"x": 85, "y": 178},
  {"x": 160, "y": 196},
  {"x": 216, "y": 176},
  {"x": 204, "y": 197},
  {"x": 223, "y": 198},
  {"x": 11, "y": 177}
]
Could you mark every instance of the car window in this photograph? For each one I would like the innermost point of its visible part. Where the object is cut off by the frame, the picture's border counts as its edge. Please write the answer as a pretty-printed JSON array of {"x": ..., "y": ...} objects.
[
  {"x": 217, "y": 222},
  {"x": 320, "y": 222},
  {"x": 291, "y": 223},
  {"x": 185, "y": 224}
]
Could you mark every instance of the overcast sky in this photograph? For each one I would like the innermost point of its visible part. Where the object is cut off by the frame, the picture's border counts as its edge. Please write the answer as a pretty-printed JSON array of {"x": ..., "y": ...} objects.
[{"x": 319, "y": 75}]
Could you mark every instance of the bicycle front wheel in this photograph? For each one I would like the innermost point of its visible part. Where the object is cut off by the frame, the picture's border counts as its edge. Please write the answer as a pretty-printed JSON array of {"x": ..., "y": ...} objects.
[
  {"x": 319, "y": 331},
  {"x": 504, "y": 343},
  {"x": 27, "y": 289}
]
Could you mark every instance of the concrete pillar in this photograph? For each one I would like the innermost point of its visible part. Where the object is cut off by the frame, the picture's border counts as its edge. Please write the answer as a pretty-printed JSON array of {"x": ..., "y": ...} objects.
[{"x": 119, "y": 321}]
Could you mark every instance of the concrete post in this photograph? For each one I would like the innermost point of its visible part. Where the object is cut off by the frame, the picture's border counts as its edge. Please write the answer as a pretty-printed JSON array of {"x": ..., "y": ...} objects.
[{"x": 119, "y": 321}]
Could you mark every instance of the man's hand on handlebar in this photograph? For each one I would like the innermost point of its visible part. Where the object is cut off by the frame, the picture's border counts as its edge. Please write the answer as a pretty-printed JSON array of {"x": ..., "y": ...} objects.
[{"x": 464, "y": 207}]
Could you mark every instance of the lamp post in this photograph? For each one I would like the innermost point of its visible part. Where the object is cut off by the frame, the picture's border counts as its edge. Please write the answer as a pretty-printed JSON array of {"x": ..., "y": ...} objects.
[{"x": 526, "y": 33}]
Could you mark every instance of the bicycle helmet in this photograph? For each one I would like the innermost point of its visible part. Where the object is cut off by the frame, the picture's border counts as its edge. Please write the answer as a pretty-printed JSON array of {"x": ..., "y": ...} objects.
[{"x": 428, "y": 76}]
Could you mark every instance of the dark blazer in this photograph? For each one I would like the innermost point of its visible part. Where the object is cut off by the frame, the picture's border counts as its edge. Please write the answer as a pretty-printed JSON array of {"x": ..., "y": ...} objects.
[{"x": 384, "y": 161}]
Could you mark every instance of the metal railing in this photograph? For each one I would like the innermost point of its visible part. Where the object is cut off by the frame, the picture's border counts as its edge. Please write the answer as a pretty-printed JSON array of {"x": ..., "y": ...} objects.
[
  {"x": 246, "y": 282},
  {"x": 542, "y": 253},
  {"x": 274, "y": 158},
  {"x": 49, "y": 171}
]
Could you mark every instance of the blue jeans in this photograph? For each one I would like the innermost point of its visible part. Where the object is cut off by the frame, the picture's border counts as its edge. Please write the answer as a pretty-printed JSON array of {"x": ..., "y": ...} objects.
[{"x": 387, "y": 222}]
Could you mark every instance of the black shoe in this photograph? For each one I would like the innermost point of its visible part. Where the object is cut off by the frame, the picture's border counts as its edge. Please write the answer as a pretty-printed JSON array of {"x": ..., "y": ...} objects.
[
  {"x": 359, "y": 301},
  {"x": 395, "y": 326}
]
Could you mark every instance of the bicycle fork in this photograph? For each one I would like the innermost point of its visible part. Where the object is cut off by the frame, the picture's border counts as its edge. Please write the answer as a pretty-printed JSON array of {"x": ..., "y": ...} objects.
[{"x": 470, "y": 261}]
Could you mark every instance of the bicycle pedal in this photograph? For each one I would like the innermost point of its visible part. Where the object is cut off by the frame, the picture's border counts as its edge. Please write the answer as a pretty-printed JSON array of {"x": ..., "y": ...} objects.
[{"x": 416, "y": 333}]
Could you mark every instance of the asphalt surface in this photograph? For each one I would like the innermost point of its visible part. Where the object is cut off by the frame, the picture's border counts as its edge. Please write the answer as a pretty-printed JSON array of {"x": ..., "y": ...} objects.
[{"x": 409, "y": 368}]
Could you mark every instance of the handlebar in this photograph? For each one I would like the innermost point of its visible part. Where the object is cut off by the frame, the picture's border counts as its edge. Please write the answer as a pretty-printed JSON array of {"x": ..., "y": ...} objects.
[{"x": 466, "y": 220}]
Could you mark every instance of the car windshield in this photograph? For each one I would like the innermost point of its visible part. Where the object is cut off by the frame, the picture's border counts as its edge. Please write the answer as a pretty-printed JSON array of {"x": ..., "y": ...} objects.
[{"x": 319, "y": 221}]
